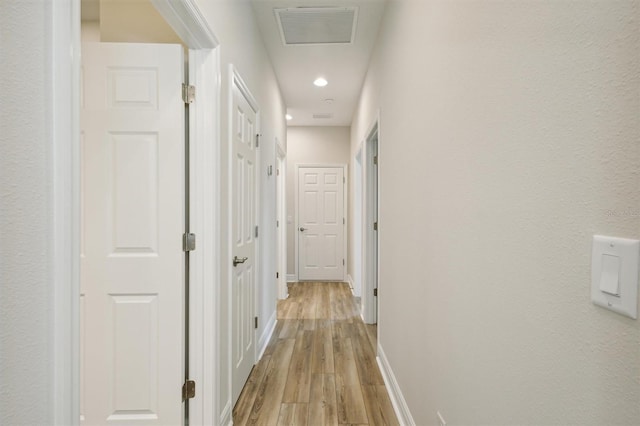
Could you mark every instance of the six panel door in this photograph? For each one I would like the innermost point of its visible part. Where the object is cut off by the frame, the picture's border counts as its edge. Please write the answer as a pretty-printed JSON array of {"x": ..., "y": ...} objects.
[
  {"x": 321, "y": 224},
  {"x": 132, "y": 271}
]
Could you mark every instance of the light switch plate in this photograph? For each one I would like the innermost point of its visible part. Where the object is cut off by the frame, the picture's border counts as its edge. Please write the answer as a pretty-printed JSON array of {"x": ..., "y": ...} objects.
[{"x": 611, "y": 259}]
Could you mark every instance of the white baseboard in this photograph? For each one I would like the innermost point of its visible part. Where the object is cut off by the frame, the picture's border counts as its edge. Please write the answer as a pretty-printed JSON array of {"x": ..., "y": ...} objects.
[
  {"x": 292, "y": 278},
  {"x": 226, "y": 418},
  {"x": 266, "y": 335},
  {"x": 350, "y": 282},
  {"x": 397, "y": 399}
]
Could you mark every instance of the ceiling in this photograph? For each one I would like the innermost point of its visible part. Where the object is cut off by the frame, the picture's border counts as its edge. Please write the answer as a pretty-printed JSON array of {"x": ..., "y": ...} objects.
[{"x": 343, "y": 65}]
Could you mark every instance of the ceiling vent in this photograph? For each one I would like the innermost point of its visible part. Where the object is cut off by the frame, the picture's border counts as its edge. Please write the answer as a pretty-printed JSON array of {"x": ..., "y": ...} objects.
[
  {"x": 322, "y": 115},
  {"x": 317, "y": 25}
]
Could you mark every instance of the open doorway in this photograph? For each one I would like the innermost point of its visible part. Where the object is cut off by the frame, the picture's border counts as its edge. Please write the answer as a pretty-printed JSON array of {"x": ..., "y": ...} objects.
[
  {"x": 370, "y": 228},
  {"x": 152, "y": 194},
  {"x": 281, "y": 220},
  {"x": 358, "y": 226}
]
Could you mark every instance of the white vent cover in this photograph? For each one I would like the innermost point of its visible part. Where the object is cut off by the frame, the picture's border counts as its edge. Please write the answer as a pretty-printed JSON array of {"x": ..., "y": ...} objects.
[
  {"x": 322, "y": 115},
  {"x": 317, "y": 25}
]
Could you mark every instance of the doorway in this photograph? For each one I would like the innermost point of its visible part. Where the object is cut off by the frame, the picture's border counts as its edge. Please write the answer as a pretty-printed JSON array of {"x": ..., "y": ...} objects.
[
  {"x": 198, "y": 167},
  {"x": 370, "y": 228},
  {"x": 358, "y": 226},
  {"x": 281, "y": 221},
  {"x": 321, "y": 222},
  {"x": 244, "y": 205}
]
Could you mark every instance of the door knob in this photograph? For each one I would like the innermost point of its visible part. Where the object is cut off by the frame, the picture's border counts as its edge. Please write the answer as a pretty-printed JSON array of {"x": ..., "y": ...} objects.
[
  {"x": 237, "y": 260},
  {"x": 302, "y": 229}
]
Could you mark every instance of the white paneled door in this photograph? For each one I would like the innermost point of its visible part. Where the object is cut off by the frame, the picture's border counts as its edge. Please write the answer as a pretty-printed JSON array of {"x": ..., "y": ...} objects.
[
  {"x": 321, "y": 224},
  {"x": 244, "y": 221},
  {"x": 132, "y": 273}
]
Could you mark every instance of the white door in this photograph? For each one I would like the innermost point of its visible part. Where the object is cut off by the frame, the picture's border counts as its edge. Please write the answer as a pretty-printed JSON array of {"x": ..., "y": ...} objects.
[
  {"x": 244, "y": 202},
  {"x": 321, "y": 223},
  {"x": 132, "y": 272}
]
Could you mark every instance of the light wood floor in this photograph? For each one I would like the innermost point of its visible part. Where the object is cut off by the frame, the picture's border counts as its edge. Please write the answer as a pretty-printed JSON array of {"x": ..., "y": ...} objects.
[{"x": 320, "y": 366}]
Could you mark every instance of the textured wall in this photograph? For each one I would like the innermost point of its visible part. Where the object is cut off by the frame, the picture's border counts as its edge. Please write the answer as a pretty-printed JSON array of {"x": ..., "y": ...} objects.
[
  {"x": 309, "y": 145},
  {"x": 509, "y": 136},
  {"x": 241, "y": 45},
  {"x": 25, "y": 214}
]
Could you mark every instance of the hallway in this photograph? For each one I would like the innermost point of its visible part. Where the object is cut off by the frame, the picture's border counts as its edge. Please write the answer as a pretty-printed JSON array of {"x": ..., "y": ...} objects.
[{"x": 320, "y": 366}]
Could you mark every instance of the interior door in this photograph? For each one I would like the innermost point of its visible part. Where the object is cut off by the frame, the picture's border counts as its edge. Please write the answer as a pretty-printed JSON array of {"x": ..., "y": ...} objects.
[
  {"x": 321, "y": 224},
  {"x": 132, "y": 271},
  {"x": 244, "y": 221}
]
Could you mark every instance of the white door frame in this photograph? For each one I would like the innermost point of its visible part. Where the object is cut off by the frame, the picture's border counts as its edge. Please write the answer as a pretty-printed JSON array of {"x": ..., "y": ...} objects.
[
  {"x": 370, "y": 245},
  {"x": 236, "y": 81},
  {"x": 358, "y": 227},
  {"x": 345, "y": 207},
  {"x": 281, "y": 217},
  {"x": 188, "y": 22}
]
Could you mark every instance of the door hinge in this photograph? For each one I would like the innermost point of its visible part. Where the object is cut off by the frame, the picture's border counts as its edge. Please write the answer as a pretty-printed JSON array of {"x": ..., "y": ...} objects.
[
  {"x": 256, "y": 231},
  {"x": 256, "y": 322},
  {"x": 342, "y": 262},
  {"x": 375, "y": 159},
  {"x": 277, "y": 224},
  {"x": 188, "y": 242},
  {"x": 375, "y": 292},
  {"x": 188, "y": 390},
  {"x": 344, "y": 180},
  {"x": 257, "y": 140},
  {"x": 375, "y": 226},
  {"x": 344, "y": 221},
  {"x": 277, "y": 274},
  {"x": 188, "y": 93}
]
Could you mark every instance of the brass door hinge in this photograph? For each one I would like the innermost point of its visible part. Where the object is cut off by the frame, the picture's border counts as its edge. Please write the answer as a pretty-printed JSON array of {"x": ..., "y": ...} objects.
[{"x": 188, "y": 390}]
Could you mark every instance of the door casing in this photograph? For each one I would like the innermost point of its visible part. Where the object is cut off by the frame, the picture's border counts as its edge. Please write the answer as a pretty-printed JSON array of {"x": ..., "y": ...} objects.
[
  {"x": 189, "y": 23},
  {"x": 281, "y": 217},
  {"x": 370, "y": 245}
]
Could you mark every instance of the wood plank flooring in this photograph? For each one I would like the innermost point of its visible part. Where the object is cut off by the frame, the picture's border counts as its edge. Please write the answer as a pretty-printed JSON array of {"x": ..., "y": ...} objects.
[{"x": 320, "y": 366}]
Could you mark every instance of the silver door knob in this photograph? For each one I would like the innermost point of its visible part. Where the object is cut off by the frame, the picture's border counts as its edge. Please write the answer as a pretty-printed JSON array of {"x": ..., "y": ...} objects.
[
  {"x": 302, "y": 229},
  {"x": 237, "y": 260}
]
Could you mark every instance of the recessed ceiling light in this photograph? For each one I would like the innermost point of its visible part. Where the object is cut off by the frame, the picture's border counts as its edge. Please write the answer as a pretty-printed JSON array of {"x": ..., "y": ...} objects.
[
  {"x": 320, "y": 82},
  {"x": 288, "y": 117},
  {"x": 328, "y": 101}
]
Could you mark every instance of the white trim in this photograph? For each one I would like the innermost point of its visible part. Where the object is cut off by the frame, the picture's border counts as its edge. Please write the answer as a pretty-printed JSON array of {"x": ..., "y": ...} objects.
[
  {"x": 226, "y": 415},
  {"x": 369, "y": 301},
  {"x": 64, "y": 104},
  {"x": 267, "y": 334},
  {"x": 345, "y": 206},
  {"x": 395, "y": 393},
  {"x": 188, "y": 22},
  {"x": 281, "y": 217},
  {"x": 356, "y": 228},
  {"x": 205, "y": 209},
  {"x": 292, "y": 278},
  {"x": 235, "y": 80},
  {"x": 350, "y": 282}
]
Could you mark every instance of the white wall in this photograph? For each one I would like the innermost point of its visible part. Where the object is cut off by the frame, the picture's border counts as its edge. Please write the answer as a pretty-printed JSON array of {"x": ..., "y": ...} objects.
[
  {"x": 509, "y": 136},
  {"x": 241, "y": 45},
  {"x": 134, "y": 22},
  {"x": 310, "y": 145},
  {"x": 26, "y": 214}
]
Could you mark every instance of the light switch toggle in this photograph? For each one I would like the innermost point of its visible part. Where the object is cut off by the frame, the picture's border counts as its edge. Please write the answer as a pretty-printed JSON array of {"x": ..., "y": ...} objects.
[
  {"x": 615, "y": 263},
  {"x": 610, "y": 276}
]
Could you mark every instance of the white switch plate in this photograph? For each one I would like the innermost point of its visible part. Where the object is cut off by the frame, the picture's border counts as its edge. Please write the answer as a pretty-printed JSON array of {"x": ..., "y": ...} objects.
[{"x": 603, "y": 259}]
